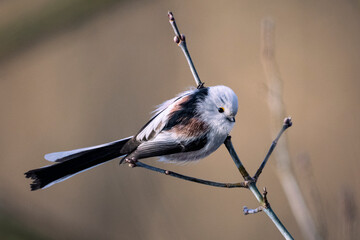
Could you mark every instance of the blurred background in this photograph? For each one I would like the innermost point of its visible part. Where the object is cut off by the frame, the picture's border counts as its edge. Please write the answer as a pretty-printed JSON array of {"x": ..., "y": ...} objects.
[{"x": 79, "y": 73}]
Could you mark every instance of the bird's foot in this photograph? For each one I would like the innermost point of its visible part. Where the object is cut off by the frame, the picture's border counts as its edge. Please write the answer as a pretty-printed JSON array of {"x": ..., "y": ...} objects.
[{"x": 131, "y": 161}]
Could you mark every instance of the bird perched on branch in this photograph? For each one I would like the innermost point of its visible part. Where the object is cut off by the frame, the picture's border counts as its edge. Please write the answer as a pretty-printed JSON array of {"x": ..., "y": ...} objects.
[{"x": 186, "y": 128}]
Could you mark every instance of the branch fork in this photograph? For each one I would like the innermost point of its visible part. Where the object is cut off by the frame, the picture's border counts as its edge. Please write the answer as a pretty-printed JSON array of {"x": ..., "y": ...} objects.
[{"x": 187, "y": 178}]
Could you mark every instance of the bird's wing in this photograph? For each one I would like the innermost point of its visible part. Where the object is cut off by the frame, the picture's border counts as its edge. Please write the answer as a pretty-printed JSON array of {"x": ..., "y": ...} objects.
[
  {"x": 164, "y": 145},
  {"x": 160, "y": 118}
]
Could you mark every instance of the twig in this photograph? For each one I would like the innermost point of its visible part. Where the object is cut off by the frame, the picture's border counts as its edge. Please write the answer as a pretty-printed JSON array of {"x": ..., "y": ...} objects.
[
  {"x": 236, "y": 159},
  {"x": 266, "y": 205},
  {"x": 286, "y": 125},
  {"x": 247, "y": 210},
  {"x": 277, "y": 111},
  {"x": 252, "y": 186},
  {"x": 179, "y": 39},
  {"x": 188, "y": 178}
]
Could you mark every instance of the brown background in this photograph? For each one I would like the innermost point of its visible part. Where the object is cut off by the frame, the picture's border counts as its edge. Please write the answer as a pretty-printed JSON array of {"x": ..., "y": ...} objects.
[{"x": 76, "y": 74}]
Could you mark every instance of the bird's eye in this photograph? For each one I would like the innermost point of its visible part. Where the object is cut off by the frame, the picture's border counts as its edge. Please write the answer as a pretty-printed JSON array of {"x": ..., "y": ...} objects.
[{"x": 221, "y": 109}]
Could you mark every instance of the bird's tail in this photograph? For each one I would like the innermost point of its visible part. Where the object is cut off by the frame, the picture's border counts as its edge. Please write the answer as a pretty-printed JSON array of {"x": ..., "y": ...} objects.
[{"x": 72, "y": 162}]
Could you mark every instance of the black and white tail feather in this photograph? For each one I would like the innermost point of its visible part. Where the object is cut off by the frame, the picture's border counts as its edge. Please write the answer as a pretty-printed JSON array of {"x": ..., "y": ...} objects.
[
  {"x": 186, "y": 128},
  {"x": 70, "y": 163}
]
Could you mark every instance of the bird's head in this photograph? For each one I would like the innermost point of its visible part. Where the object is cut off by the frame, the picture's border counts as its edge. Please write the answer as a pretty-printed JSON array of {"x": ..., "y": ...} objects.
[{"x": 219, "y": 108}]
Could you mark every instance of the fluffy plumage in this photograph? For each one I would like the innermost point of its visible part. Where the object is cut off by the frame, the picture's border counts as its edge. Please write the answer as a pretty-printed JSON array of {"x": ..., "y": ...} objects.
[{"x": 186, "y": 128}]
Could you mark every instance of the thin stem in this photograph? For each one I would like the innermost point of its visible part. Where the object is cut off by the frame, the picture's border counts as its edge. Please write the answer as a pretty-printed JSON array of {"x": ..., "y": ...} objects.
[
  {"x": 278, "y": 223},
  {"x": 286, "y": 125},
  {"x": 247, "y": 210},
  {"x": 252, "y": 187},
  {"x": 236, "y": 159},
  {"x": 181, "y": 42},
  {"x": 187, "y": 178}
]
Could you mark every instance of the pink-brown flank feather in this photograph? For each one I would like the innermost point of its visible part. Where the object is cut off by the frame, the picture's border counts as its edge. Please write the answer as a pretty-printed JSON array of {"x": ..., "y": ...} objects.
[{"x": 194, "y": 127}]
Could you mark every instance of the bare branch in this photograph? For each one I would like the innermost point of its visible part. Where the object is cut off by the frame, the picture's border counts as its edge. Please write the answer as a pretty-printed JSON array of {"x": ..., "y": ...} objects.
[
  {"x": 252, "y": 187},
  {"x": 236, "y": 159},
  {"x": 187, "y": 178},
  {"x": 247, "y": 210},
  {"x": 286, "y": 125},
  {"x": 266, "y": 203},
  {"x": 179, "y": 39}
]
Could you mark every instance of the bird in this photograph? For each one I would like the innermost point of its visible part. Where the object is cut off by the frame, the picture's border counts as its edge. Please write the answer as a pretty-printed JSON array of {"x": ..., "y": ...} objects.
[{"x": 183, "y": 129}]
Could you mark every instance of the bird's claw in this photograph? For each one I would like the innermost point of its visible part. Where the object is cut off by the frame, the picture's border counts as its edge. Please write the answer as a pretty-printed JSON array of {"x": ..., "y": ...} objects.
[{"x": 131, "y": 161}]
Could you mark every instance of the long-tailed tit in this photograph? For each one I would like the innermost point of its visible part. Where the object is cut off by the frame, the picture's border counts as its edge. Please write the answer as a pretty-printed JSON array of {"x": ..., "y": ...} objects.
[{"x": 186, "y": 128}]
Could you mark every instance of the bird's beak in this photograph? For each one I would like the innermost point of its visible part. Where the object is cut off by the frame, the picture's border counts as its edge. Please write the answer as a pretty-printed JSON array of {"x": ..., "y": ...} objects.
[{"x": 231, "y": 119}]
